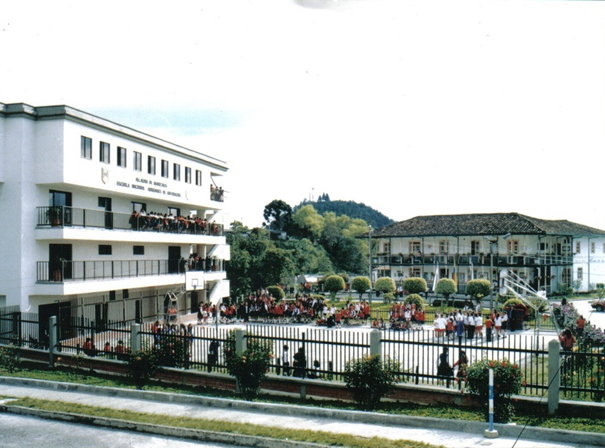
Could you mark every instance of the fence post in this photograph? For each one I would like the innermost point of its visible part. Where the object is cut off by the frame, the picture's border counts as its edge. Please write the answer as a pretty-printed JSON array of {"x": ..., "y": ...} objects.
[
  {"x": 375, "y": 341},
  {"x": 135, "y": 338},
  {"x": 554, "y": 375},
  {"x": 52, "y": 340},
  {"x": 240, "y": 348}
]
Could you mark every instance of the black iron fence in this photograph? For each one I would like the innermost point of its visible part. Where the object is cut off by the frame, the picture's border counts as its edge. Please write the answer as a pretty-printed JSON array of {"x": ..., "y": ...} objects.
[{"x": 326, "y": 351}]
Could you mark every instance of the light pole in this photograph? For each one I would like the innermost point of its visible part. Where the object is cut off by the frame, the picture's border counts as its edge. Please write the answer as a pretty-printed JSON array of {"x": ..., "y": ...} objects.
[{"x": 370, "y": 260}]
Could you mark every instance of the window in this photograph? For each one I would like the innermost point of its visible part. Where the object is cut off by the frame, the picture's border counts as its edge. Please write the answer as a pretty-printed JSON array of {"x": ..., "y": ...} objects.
[
  {"x": 414, "y": 272},
  {"x": 112, "y": 295},
  {"x": 386, "y": 248},
  {"x": 580, "y": 274},
  {"x": 164, "y": 168},
  {"x": 187, "y": 174},
  {"x": 121, "y": 157},
  {"x": 151, "y": 165},
  {"x": 512, "y": 247},
  {"x": 592, "y": 247},
  {"x": 578, "y": 247},
  {"x": 475, "y": 250},
  {"x": 198, "y": 177},
  {"x": 138, "y": 250},
  {"x": 176, "y": 171},
  {"x": 174, "y": 211},
  {"x": 104, "y": 152},
  {"x": 414, "y": 247},
  {"x": 137, "y": 161},
  {"x": 138, "y": 206},
  {"x": 86, "y": 147},
  {"x": 444, "y": 247},
  {"x": 104, "y": 249},
  {"x": 543, "y": 247}
]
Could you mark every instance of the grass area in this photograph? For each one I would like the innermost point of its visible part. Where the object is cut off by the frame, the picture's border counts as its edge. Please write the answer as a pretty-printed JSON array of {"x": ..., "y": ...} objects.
[
  {"x": 321, "y": 437},
  {"x": 434, "y": 411}
]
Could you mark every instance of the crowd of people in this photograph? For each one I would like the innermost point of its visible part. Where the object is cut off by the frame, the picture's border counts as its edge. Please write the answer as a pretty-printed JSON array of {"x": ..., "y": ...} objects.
[{"x": 167, "y": 222}]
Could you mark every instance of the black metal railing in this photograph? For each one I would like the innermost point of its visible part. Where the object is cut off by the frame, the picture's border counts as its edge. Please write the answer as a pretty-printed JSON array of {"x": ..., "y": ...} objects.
[{"x": 100, "y": 219}]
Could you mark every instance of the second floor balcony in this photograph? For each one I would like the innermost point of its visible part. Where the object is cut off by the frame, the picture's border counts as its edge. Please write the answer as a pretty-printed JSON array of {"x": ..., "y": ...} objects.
[
  {"x": 59, "y": 216},
  {"x": 504, "y": 260},
  {"x": 61, "y": 271}
]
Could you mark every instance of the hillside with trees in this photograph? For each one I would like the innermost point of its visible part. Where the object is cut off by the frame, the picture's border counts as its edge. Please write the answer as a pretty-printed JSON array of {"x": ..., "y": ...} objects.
[
  {"x": 352, "y": 209},
  {"x": 294, "y": 242}
]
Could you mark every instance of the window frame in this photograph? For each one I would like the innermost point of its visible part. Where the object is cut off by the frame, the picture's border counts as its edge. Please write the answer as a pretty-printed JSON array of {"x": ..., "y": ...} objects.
[
  {"x": 105, "y": 249},
  {"x": 85, "y": 147},
  {"x": 187, "y": 175},
  {"x": 176, "y": 171},
  {"x": 137, "y": 161},
  {"x": 122, "y": 154},
  {"x": 165, "y": 171},
  {"x": 151, "y": 165},
  {"x": 198, "y": 178},
  {"x": 104, "y": 150}
]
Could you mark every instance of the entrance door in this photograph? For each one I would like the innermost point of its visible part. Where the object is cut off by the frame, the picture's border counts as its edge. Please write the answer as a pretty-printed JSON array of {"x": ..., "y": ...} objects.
[
  {"x": 174, "y": 257},
  {"x": 63, "y": 312},
  {"x": 105, "y": 204},
  {"x": 59, "y": 262}
]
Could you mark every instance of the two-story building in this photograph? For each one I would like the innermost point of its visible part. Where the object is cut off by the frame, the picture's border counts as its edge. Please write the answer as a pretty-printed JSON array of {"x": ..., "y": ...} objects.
[
  {"x": 103, "y": 221},
  {"x": 545, "y": 253}
]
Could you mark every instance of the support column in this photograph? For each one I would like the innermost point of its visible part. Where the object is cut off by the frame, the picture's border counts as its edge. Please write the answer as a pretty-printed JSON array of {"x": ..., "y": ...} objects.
[
  {"x": 554, "y": 376},
  {"x": 135, "y": 338},
  {"x": 52, "y": 340}
]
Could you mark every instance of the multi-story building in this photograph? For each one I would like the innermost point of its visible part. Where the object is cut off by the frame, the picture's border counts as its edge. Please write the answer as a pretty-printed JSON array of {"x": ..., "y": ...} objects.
[
  {"x": 545, "y": 253},
  {"x": 103, "y": 221}
]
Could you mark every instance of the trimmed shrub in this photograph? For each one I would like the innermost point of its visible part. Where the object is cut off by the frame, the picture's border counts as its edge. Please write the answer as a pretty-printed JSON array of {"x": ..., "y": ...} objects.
[
  {"x": 385, "y": 284},
  {"x": 9, "y": 358},
  {"x": 507, "y": 382},
  {"x": 414, "y": 285},
  {"x": 276, "y": 292},
  {"x": 142, "y": 366},
  {"x": 361, "y": 285},
  {"x": 478, "y": 288},
  {"x": 446, "y": 287},
  {"x": 249, "y": 368},
  {"x": 369, "y": 379},
  {"x": 414, "y": 299},
  {"x": 333, "y": 284},
  {"x": 388, "y": 297}
]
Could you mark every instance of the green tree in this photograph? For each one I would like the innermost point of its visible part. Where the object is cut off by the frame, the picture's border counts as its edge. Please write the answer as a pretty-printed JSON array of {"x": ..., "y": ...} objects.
[
  {"x": 247, "y": 248},
  {"x": 361, "y": 285},
  {"x": 414, "y": 285},
  {"x": 339, "y": 240},
  {"x": 276, "y": 292},
  {"x": 275, "y": 266},
  {"x": 333, "y": 284},
  {"x": 478, "y": 289},
  {"x": 446, "y": 287},
  {"x": 416, "y": 300},
  {"x": 369, "y": 379},
  {"x": 278, "y": 217},
  {"x": 385, "y": 285},
  {"x": 309, "y": 223}
]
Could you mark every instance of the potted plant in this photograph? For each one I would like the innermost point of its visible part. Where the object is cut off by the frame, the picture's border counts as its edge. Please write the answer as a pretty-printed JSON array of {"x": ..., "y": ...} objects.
[{"x": 53, "y": 215}]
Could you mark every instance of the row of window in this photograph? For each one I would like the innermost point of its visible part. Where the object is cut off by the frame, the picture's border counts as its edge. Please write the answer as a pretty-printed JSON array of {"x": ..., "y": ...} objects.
[
  {"x": 593, "y": 247},
  {"x": 106, "y": 249},
  {"x": 137, "y": 161}
]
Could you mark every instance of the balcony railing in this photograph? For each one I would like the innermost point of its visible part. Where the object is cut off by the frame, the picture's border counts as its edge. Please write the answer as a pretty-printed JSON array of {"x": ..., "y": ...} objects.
[
  {"x": 64, "y": 270},
  {"x": 475, "y": 260},
  {"x": 100, "y": 219}
]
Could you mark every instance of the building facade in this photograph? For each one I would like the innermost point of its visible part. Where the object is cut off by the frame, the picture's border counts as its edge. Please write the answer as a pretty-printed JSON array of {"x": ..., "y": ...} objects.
[
  {"x": 105, "y": 221},
  {"x": 546, "y": 254}
]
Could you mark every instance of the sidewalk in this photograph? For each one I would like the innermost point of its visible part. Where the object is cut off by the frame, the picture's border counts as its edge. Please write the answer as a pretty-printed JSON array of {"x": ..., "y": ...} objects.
[{"x": 450, "y": 433}]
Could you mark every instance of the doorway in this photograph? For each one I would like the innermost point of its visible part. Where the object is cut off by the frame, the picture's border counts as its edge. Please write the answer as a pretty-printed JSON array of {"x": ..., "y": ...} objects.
[
  {"x": 105, "y": 204},
  {"x": 60, "y": 264},
  {"x": 174, "y": 258}
]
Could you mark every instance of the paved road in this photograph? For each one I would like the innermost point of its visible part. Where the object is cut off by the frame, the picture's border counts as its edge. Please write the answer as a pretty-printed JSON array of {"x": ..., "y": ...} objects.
[
  {"x": 595, "y": 317},
  {"x": 22, "y": 432}
]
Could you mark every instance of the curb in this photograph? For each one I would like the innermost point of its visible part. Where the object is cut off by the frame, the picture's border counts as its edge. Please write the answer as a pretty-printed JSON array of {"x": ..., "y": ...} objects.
[
  {"x": 505, "y": 430},
  {"x": 168, "y": 431}
]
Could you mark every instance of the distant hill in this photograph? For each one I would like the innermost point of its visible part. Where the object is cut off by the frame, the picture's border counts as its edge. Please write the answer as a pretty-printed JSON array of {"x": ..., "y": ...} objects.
[{"x": 351, "y": 209}]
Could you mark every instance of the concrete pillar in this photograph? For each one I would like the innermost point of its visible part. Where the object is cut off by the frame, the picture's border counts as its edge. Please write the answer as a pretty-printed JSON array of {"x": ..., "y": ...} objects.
[
  {"x": 135, "y": 338},
  {"x": 52, "y": 340},
  {"x": 375, "y": 340},
  {"x": 554, "y": 375},
  {"x": 240, "y": 341}
]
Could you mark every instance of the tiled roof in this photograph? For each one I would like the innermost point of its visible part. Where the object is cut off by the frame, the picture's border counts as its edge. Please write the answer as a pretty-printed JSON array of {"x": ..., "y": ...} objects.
[{"x": 483, "y": 224}]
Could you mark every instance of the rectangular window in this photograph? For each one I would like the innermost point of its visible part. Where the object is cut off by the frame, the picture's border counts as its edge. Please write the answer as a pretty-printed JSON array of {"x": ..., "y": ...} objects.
[
  {"x": 580, "y": 274},
  {"x": 138, "y": 250},
  {"x": 164, "y": 168},
  {"x": 415, "y": 247},
  {"x": 444, "y": 247},
  {"x": 475, "y": 247},
  {"x": 592, "y": 247},
  {"x": 104, "y": 152},
  {"x": 543, "y": 247},
  {"x": 512, "y": 247},
  {"x": 151, "y": 165},
  {"x": 139, "y": 206},
  {"x": 104, "y": 249},
  {"x": 137, "y": 161},
  {"x": 176, "y": 171},
  {"x": 121, "y": 157},
  {"x": 578, "y": 247},
  {"x": 174, "y": 211},
  {"x": 414, "y": 272},
  {"x": 187, "y": 174},
  {"x": 198, "y": 177},
  {"x": 86, "y": 147}
]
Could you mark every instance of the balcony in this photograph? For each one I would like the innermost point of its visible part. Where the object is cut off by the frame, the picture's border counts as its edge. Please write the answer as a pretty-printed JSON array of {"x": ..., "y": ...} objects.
[
  {"x": 100, "y": 219},
  {"x": 69, "y": 271},
  {"x": 533, "y": 260}
]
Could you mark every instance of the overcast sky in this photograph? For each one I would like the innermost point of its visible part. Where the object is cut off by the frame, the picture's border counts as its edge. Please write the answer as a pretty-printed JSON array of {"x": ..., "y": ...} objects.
[{"x": 412, "y": 107}]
